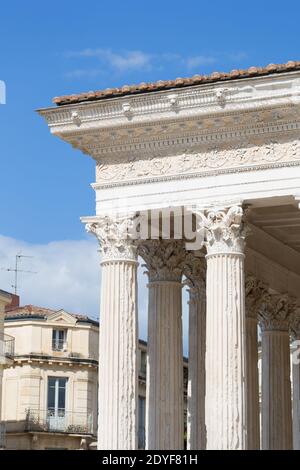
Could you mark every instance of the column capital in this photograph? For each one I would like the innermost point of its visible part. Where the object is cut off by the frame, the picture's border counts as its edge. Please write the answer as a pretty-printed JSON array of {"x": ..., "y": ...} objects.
[
  {"x": 276, "y": 311},
  {"x": 116, "y": 237},
  {"x": 195, "y": 272},
  {"x": 295, "y": 324},
  {"x": 164, "y": 259},
  {"x": 224, "y": 230},
  {"x": 254, "y": 290}
]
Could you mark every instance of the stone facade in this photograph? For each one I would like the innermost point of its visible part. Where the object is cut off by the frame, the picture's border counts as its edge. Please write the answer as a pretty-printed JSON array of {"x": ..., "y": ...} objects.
[
  {"x": 227, "y": 155},
  {"x": 55, "y": 353}
]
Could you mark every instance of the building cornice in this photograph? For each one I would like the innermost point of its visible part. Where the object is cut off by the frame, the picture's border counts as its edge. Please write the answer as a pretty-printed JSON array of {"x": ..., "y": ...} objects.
[
  {"x": 260, "y": 93},
  {"x": 47, "y": 359}
]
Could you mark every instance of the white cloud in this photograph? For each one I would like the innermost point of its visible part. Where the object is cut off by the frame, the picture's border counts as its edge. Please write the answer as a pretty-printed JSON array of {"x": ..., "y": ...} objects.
[
  {"x": 67, "y": 276},
  {"x": 107, "y": 61},
  {"x": 121, "y": 62},
  {"x": 83, "y": 73},
  {"x": 237, "y": 56},
  {"x": 126, "y": 61},
  {"x": 199, "y": 60}
]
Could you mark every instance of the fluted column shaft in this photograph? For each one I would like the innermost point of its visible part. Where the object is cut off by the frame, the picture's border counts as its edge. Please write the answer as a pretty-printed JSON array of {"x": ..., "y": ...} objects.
[
  {"x": 118, "y": 343},
  {"x": 225, "y": 408},
  {"x": 253, "y": 424},
  {"x": 296, "y": 406},
  {"x": 195, "y": 272},
  {"x": 295, "y": 331},
  {"x": 196, "y": 433},
  {"x": 117, "y": 356},
  {"x": 164, "y": 385},
  {"x": 254, "y": 291},
  {"x": 276, "y": 391},
  {"x": 225, "y": 403},
  {"x": 164, "y": 419},
  {"x": 276, "y": 384}
]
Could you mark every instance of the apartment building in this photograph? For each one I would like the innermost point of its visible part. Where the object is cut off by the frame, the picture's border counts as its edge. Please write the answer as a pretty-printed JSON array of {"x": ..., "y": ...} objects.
[
  {"x": 50, "y": 390},
  {"x": 6, "y": 354},
  {"x": 50, "y": 383}
]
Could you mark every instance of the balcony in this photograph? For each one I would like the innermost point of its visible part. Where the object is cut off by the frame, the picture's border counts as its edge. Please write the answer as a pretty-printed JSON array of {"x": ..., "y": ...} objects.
[
  {"x": 59, "y": 421},
  {"x": 7, "y": 348},
  {"x": 59, "y": 345},
  {"x": 2, "y": 436}
]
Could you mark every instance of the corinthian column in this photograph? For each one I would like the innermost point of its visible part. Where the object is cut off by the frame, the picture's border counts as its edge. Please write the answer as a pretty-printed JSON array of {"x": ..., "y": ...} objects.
[
  {"x": 118, "y": 386},
  {"x": 295, "y": 331},
  {"x": 274, "y": 313},
  {"x": 195, "y": 271},
  {"x": 164, "y": 385},
  {"x": 254, "y": 291},
  {"x": 225, "y": 404}
]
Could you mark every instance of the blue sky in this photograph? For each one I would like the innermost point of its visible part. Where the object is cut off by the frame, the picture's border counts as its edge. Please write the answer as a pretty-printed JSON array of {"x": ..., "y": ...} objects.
[
  {"x": 53, "y": 48},
  {"x": 61, "y": 47}
]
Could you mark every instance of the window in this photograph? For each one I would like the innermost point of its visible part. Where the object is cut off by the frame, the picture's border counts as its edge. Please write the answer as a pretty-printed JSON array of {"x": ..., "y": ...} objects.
[
  {"x": 143, "y": 362},
  {"x": 56, "y": 407},
  {"x": 141, "y": 418},
  {"x": 59, "y": 340}
]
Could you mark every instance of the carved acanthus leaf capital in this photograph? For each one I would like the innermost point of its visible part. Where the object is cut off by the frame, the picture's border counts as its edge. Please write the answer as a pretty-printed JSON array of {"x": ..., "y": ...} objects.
[
  {"x": 276, "y": 311},
  {"x": 116, "y": 237},
  {"x": 224, "y": 230},
  {"x": 164, "y": 259},
  {"x": 254, "y": 291},
  {"x": 295, "y": 324},
  {"x": 195, "y": 272}
]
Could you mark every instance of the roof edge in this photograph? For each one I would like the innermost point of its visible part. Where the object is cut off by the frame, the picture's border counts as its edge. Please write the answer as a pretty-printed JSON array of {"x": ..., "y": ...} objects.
[{"x": 160, "y": 85}]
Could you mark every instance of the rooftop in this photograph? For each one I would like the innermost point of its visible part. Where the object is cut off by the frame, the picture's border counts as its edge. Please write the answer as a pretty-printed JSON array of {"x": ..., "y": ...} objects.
[
  {"x": 42, "y": 313},
  {"x": 177, "y": 83},
  {"x": 4, "y": 293}
]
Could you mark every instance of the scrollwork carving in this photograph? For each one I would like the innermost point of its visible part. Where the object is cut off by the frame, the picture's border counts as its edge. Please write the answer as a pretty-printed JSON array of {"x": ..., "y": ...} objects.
[
  {"x": 195, "y": 273},
  {"x": 224, "y": 230},
  {"x": 115, "y": 236},
  {"x": 254, "y": 290},
  {"x": 276, "y": 311},
  {"x": 190, "y": 161},
  {"x": 295, "y": 324},
  {"x": 164, "y": 259}
]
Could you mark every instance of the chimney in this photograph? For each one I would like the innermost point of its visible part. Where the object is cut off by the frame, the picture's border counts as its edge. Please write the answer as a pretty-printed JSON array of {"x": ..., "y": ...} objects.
[{"x": 15, "y": 302}]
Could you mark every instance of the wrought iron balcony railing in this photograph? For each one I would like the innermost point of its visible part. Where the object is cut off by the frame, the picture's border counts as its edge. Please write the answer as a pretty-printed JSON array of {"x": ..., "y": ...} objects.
[
  {"x": 7, "y": 346},
  {"x": 60, "y": 421},
  {"x": 59, "y": 345}
]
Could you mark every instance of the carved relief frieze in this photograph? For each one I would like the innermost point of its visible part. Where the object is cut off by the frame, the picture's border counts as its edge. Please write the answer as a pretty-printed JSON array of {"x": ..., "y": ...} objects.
[{"x": 140, "y": 166}]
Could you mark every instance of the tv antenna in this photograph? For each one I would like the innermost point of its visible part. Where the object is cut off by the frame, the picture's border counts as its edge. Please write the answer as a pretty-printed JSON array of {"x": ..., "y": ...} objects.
[{"x": 16, "y": 270}]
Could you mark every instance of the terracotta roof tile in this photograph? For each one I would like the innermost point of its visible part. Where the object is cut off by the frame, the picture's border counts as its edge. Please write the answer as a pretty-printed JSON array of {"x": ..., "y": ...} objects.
[
  {"x": 40, "y": 312},
  {"x": 177, "y": 83}
]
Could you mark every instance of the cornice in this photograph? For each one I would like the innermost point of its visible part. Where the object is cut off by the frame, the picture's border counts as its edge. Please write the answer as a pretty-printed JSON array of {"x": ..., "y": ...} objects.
[
  {"x": 56, "y": 360},
  {"x": 163, "y": 138},
  {"x": 207, "y": 130},
  {"x": 214, "y": 98}
]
